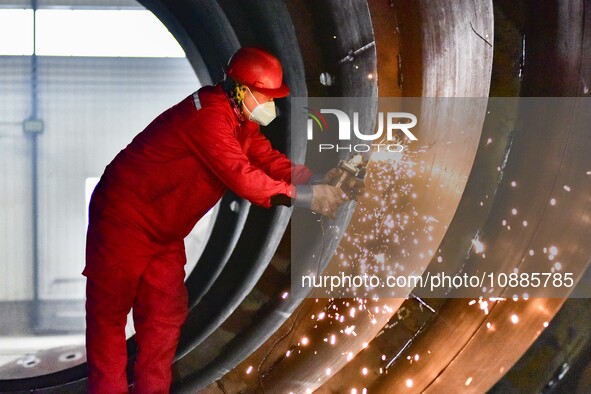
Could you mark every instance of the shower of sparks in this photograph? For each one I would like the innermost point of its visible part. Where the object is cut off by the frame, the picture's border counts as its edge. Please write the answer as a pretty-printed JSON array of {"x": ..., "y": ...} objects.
[
  {"x": 387, "y": 217},
  {"x": 373, "y": 245}
]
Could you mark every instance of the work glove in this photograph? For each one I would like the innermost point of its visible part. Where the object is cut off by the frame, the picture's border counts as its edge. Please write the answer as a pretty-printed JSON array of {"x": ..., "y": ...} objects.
[
  {"x": 332, "y": 176},
  {"x": 326, "y": 200}
]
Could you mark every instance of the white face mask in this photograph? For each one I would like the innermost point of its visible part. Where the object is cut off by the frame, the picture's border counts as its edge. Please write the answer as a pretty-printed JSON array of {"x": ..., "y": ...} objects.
[{"x": 262, "y": 114}]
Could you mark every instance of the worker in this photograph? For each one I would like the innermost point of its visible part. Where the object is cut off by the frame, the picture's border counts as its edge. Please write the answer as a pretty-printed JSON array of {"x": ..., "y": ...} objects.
[{"x": 152, "y": 194}]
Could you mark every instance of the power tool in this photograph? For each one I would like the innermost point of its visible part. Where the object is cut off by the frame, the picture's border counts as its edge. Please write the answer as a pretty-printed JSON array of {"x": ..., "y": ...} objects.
[{"x": 350, "y": 176}]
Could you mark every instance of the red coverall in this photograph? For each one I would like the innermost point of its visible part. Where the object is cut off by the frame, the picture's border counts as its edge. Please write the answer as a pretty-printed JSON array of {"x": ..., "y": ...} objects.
[{"x": 147, "y": 201}]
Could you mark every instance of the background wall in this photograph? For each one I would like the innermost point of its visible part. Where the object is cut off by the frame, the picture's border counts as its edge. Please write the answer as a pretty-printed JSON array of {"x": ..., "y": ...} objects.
[{"x": 91, "y": 108}]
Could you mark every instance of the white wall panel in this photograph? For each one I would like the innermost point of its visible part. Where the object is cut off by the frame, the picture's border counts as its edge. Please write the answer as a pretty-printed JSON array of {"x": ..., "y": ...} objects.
[{"x": 15, "y": 173}]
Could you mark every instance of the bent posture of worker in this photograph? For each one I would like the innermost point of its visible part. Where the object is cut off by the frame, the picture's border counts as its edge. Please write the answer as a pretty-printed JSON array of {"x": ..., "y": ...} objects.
[{"x": 152, "y": 194}]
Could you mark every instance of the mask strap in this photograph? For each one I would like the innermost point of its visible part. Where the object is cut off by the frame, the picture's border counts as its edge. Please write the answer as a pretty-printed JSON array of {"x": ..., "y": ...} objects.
[
  {"x": 249, "y": 113},
  {"x": 254, "y": 98}
]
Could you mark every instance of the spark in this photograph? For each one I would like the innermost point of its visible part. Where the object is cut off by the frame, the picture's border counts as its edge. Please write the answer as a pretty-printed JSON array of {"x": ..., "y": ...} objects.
[
  {"x": 478, "y": 245},
  {"x": 484, "y": 306}
]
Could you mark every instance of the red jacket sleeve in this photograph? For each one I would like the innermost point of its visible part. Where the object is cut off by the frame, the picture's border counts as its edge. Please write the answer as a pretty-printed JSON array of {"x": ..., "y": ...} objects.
[
  {"x": 213, "y": 141},
  {"x": 273, "y": 162}
]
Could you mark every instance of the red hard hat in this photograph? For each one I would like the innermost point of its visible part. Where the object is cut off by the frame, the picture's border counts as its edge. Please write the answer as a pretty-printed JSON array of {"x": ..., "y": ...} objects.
[{"x": 259, "y": 70}]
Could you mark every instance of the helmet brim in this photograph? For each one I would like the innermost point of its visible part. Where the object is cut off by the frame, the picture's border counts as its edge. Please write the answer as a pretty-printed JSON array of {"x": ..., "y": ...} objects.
[{"x": 279, "y": 92}]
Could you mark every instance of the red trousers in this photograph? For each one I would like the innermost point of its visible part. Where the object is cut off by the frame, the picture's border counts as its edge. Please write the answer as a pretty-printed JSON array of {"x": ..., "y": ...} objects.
[{"x": 123, "y": 272}]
